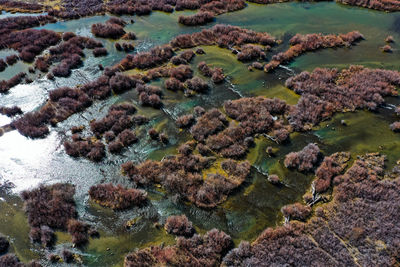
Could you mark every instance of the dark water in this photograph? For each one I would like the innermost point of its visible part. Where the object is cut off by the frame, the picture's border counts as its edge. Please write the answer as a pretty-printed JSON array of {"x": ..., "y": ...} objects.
[{"x": 27, "y": 163}]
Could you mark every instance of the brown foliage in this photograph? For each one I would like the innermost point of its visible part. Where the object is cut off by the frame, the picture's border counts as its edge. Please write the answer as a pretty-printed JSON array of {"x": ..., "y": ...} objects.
[
  {"x": 384, "y": 5},
  {"x": 325, "y": 91},
  {"x": 198, "y": 251},
  {"x": 304, "y": 160},
  {"x": 10, "y": 111},
  {"x": 117, "y": 197},
  {"x": 311, "y": 42},
  {"x": 200, "y": 18},
  {"x": 5, "y": 86},
  {"x": 181, "y": 175},
  {"x": 296, "y": 211},
  {"x": 179, "y": 225}
]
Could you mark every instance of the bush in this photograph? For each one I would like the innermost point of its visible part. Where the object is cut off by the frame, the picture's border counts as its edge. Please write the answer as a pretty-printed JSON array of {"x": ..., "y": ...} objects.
[
  {"x": 93, "y": 150},
  {"x": 118, "y": 21},
  {"x": 210, "y": 123},
  {"x": 325, "y": 91},
  {"x": 5, "y": 86},
  {"x": 197, "y": 84},
  {"x": 99, "y": 52},
  {"x": 330, "y": 167},
  {"x": 10, "y": 260},
  {"x": 304, "y": 160},
  {"x": 200, "y": 18},
  {"x": 250, "y": 52},
  {"x": 67, "y": 256},
  {"x": 127, "y": 137},
  {"x": 121, "y": 83},
  {"x": 311, "y": 42},
  {"x": 207, "y": 250},
  {"x": 108, "y": 30},
  {"x": 216, "y": 74},
  {"x": 174, "y": 84},
  {"x": 387, "y": 49},
  {"x": 33, "y": 124},
  {"x": 185, "y": 121},
  {"x": 50, "y": 205},
  {"x": 10, "y": 111},
  {"x": 296, "y": 211},
  {"x": 79, "y": 232},
  {"x": 3, "y": 65},
  {"x": 395, "y": 126},
  {"x": 179, "y": 225},
  {"x": 117, "y": 197}
]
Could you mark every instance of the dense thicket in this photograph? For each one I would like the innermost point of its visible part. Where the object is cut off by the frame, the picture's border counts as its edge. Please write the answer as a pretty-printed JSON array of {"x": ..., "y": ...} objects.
[
  {"x": 326, "y": 91},
  {"x": 384, "y": 5},
  {"x": 113, "y": 28},
  {"x": 66, "y": 101},
  {"x": 179, "y": 225},
  {"x": 30, "y": 42},
  {"x": 117, "y": 197},
  {"x": 224, "y": 36},
  {"x": 181, "y": 175},
  {"x": 19, "y": 6},
  {"x": 49, "y": 208},
  {"x": 364, "y": 200},
  {"x": 10, "y": 111},
  {"x": 199, "y": 251},
  {"x": 6, "y": 85},
  {"x": 305, "y": 159},
  {"x": 311, "y": 42}
]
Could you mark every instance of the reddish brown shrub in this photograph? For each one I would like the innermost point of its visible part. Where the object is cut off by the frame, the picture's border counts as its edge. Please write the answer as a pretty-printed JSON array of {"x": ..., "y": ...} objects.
[
  {"x": 361, "y": 212},
  {"x": 389, "y": 39},
  {"x": 395, "y": 126},
  {"x": 325, "y": 91},
  {"x": 174, "y": 84},
  {"x": 250, "y": 52},
  {"x": 33, "y": 124},
  {"x": 304, "y": 160},
  {"x": 385, "y": 5},
  {"x": 117, "y": 197},
  {"x": 387, "y": 49},
  {"x": 330, "y": 167},
  {"x": 48, "y": 208},
  {"x": 179, "y": 225},
  {"x": 108, "y": 30},
  {"x": 10, "y": 111},
  {"x": 99, "y": 52},
  {"x": 146, "y": 60},
  {"x": 206, "y": 250},
  {"x": 3, "y": 65},
  {"x": 79, "y": 232},
  {"x": 93, "y": 150},
  {"x": 12, "y": 59},
  {"x": 200, "y": 18},
  {"x": 10, "y": 260},
  {"x": 197, "y": 85},
  {"x": 121, "y": 83},
  {"x": 296, "y": 211},
  {"x": 311, "y": 42},
  {"x": 211, "y": 122},
  {"x": 185, "y": 121},
  {"x": 5, "y": 86}
]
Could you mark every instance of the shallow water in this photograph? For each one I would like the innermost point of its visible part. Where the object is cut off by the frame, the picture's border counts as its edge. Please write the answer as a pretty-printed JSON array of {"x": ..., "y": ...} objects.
[{"x": 256, "y": 205}]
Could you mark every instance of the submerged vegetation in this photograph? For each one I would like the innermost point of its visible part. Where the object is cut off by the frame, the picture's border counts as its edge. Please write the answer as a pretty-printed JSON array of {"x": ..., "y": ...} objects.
[{"x": 217, "y": 145}]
